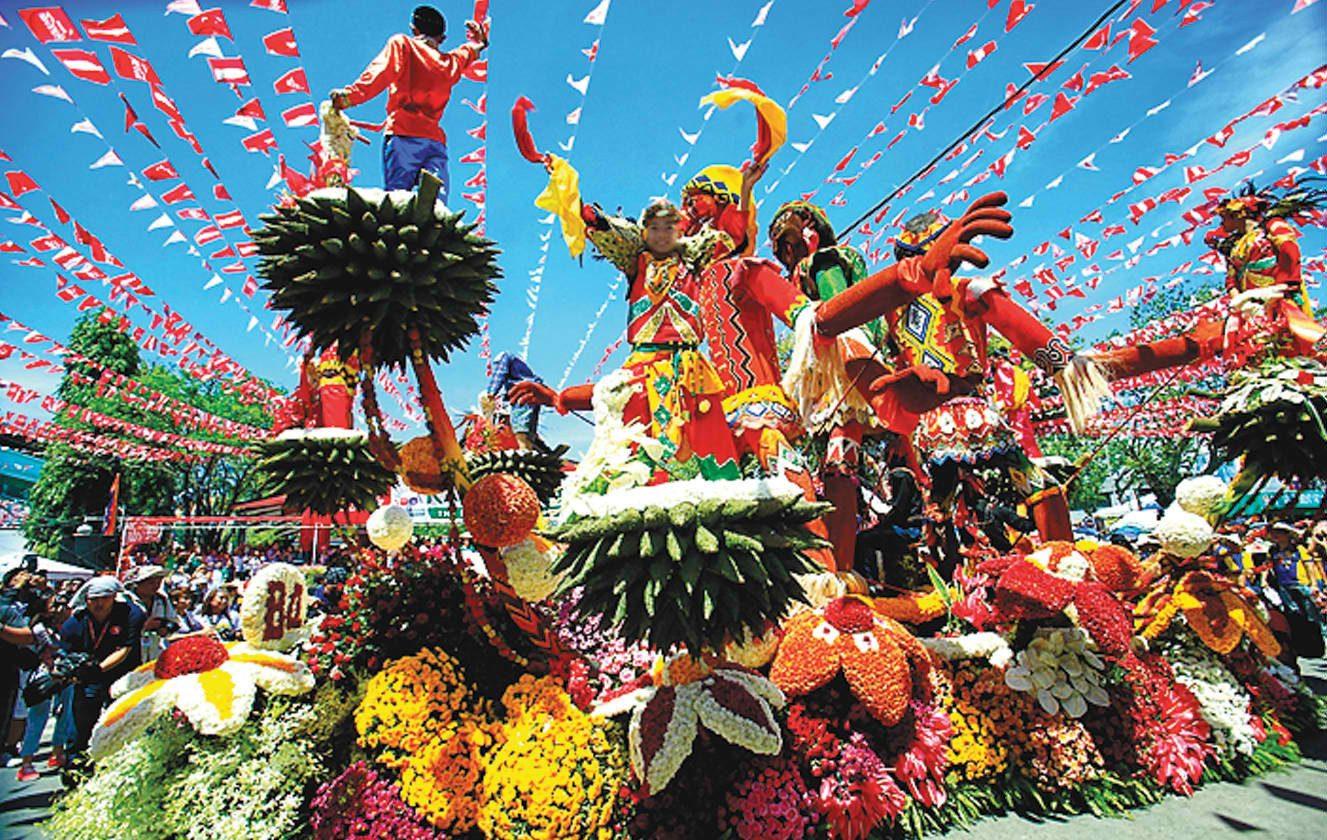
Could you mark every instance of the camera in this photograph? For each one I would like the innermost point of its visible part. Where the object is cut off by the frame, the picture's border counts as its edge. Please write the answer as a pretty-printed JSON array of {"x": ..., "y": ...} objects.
[{"x": 45, "y": 683}]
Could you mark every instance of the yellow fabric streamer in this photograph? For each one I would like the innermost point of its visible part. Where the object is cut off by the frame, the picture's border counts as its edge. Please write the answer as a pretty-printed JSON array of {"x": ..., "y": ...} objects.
[
  {"x": 767, "y": 109},
  {"x": 562, "y": 198}
]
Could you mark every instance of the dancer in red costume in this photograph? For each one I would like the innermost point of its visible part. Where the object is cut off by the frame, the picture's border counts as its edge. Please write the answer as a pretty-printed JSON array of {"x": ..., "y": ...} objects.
[
  {"x": 1270, "y": 311},
  {"x": 325, "y": 396},
  {"x": 678, "y": 394}
]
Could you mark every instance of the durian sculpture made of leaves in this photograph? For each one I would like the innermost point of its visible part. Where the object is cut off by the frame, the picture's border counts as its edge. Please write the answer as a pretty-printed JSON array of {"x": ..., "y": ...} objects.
[{"x": 342, "y": 261}]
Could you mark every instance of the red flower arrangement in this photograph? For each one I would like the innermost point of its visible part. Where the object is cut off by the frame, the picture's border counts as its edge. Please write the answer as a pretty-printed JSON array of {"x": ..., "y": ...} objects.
[
  {"x": 1104, "y": 618},
  {"x": 190, "y": 655},
  {"x": 1166, "y": 723},
  {"x": 921, "y": 765},
  {"x": 860, "y": 795},
  {"x": 390, "y": 607}
]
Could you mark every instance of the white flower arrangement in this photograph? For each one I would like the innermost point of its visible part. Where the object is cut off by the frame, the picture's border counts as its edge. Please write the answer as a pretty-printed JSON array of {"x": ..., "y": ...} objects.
[
  {"x": 1183, "y": 534},
  {"x": 992, "y": 647},
  {"x": 1060, "y": 670},
  {"x": 1201, "y": 494},
  {"x": 275, "y": 599},
  {"x": 1223, "y": 702},
  {"x": 390, "y": 527},
  {"x": 673, "y": 493},
  {"x": 528, "y": 563},
  {"x": 611, "y": 455},
  {"x": 328, "y": 433}
]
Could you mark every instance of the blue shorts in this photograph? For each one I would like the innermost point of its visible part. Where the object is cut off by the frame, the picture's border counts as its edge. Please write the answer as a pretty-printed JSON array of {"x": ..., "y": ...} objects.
[
  {"x": 508, "y": 369},
  {"x": 403, "y": 158}
]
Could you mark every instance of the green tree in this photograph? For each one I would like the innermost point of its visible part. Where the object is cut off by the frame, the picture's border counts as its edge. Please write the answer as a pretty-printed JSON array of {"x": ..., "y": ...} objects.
[{"x": 74, "y": 484}]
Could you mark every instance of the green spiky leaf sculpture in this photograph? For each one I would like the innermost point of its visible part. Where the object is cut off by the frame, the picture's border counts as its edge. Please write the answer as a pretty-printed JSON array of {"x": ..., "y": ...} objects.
[
  {"x": 541, "y": 470},
  {"x": 694, "y": 573},
  {"x": 341, "y": 261},
  {"x": 324, "y": 470}
]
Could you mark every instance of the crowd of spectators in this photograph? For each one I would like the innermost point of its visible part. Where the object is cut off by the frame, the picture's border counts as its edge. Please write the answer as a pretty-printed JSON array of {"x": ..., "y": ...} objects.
[{"x": 63, "y": 646}]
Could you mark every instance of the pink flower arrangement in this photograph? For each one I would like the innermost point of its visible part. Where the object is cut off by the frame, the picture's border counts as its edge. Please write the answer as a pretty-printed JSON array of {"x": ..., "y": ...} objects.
[
  {"x": 922, "y": 764},
  {"x": 769, "y": 802},
  {"x": 361, "y": 804}
]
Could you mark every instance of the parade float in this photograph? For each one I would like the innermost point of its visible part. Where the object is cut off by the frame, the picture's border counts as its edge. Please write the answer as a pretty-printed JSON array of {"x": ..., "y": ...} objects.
[{"x": 676, "y": 637}]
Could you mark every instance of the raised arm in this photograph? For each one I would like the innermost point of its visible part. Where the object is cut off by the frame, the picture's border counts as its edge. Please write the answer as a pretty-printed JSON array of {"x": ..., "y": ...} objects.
[{"x": 380, "y": 73}]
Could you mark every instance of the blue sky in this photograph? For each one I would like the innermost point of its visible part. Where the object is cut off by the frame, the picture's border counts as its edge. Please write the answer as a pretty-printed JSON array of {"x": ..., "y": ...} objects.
[{"x": 655, "y": 61}]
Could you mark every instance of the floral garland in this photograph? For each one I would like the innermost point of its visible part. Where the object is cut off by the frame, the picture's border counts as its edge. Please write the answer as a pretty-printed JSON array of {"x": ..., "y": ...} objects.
[
  {"x": 557, "y": 771},
  {"x": 414, "y": 701}
]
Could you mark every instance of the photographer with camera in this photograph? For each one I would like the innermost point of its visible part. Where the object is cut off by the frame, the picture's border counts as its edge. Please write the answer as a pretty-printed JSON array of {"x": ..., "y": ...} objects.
[
  {"x": 15, "y": 635},
  {"x": 50, "y": 685},
  {"x": 109, "y": 631}
]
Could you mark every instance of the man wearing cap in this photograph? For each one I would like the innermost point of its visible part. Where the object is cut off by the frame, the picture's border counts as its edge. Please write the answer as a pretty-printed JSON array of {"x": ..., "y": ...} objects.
[
  {"x": 107, "y": 630},
  {"x": 419, "y": 78},
  {"x": 143, "y": 587}
]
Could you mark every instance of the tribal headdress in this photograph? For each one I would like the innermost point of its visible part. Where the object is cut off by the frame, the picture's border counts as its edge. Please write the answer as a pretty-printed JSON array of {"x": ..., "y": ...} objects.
[
  {"x": 800, "y": 213},
  {"x": 918, "y": 234},
  {"x": 720, "y": 180},
  {"x": 1249, "y": 201}
]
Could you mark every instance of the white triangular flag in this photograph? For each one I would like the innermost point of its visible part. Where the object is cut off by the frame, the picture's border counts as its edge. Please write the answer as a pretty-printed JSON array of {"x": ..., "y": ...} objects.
[
  {"x": 548, "y": 220},
  {"x": 84, "y": 126},
  {"x": 1089, "y": 163},
  {"x": 53, "y": 91},
  {"x": 29, "y": 56},
  {"x": 682, "y": 159},
  {"x": 823, "y": 120},
  {"x": 800, "y": 147},
  {"x": 567, "y": 144},
  {"x": 1250, "y": 45},
  {"x": 215, "y": 281},
  {"x": 574, "y": 117},
  {"x": 1123, "y": 134},
  {"x": 690, "y": 138},
  {"x": 1135, "y": 245},
  {"x": 1152, "y": 112},
  {"x": 581, "y": 85},
  {"x": 598, "y": 14},
  {"x": 275, "y": 180},
  {"x": 669, "y": 179},
  {"x": 207, "y": 46},
  {"x": 143, "y": 203},
  {"x": 246, "y": 123},
  {"x": 225, "y": 294},
  {"x": 842, "y": 98},
  {"x": 108, "y": 159},
  {"x": 177, "y": 236},
  {"x": 1053, "y": 184},
  {"x": 761, "y": 15},
  {"x": 1027, "y": 202},
  {"x": 253, "y": 322},
  {"x": 184, "y": 7},
  {"x": 162, "y": 221},
  {"x": 1295, "y": 157},
  {"x": 739, "y": 50},
  {"x": 1269, "y": 139}
]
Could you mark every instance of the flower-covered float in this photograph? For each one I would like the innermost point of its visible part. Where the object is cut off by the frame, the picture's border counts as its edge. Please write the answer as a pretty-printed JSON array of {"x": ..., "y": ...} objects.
[{"x": 648, "y": 646}]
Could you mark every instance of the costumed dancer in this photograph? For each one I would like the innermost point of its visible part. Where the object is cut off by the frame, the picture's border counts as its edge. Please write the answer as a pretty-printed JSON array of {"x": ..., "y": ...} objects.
[
  {"x": 1269, "y": 305},
  {"x": 949, "y": 339},
  {"x": 419, "y": 77},
  {"x": 324, "y": 397},
  {"x": 677, "y": 394}
]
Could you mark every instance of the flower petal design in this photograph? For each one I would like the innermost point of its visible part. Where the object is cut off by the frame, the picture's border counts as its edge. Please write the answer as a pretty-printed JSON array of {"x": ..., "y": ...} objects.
[
  {"x": 216, "y": 702},
  {"x": 128, "y": 716},
  {"x": 803, "y": 663},
  {"x": 730, "y": 710},
  {"x": 275, "y": 672},
  {"x": 881, "y": 680},
  {"x": 135, "y": 679},
  {"x": 758, "y": 685},
  {"x": 661, "y": 734}
]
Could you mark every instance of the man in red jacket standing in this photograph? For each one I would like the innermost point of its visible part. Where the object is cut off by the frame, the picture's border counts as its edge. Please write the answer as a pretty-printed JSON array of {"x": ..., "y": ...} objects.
[{"x": 419, "y": 76}]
